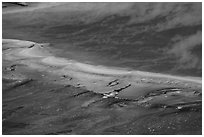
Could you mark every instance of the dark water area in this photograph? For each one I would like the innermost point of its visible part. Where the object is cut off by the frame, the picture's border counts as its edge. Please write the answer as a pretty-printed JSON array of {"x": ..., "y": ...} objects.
[{"x": 112, "y": 41}]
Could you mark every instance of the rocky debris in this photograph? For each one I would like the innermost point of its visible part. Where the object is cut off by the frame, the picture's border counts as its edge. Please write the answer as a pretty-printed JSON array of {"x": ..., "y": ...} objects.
[
  {"x": 187, "y": 104},
  {"x": 113, "y": 83},
  {"x": 67, "y": 77},
  {"x": 197, "y": 93},
  {"x": 163, "y": 91},
  {"x": 11, "y": 68},
  {"x": 120, "y": 89},
  {"x": 78, "y": 85},
  {"x": 110, "y": 94},
  {"x": 31, "y": 46},
  {"x": 151, "y": 101},
  {"x": 41, "y": 45},
  {"x": 115, "y": 92}
]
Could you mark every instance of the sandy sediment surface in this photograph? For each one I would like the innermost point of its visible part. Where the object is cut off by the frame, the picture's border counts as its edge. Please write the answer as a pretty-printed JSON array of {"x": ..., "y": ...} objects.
[{"x": 26, "y": 61}]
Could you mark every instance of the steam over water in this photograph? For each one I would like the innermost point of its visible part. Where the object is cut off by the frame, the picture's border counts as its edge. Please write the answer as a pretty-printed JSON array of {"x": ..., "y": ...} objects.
[{"x": 155, "y": 37}]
